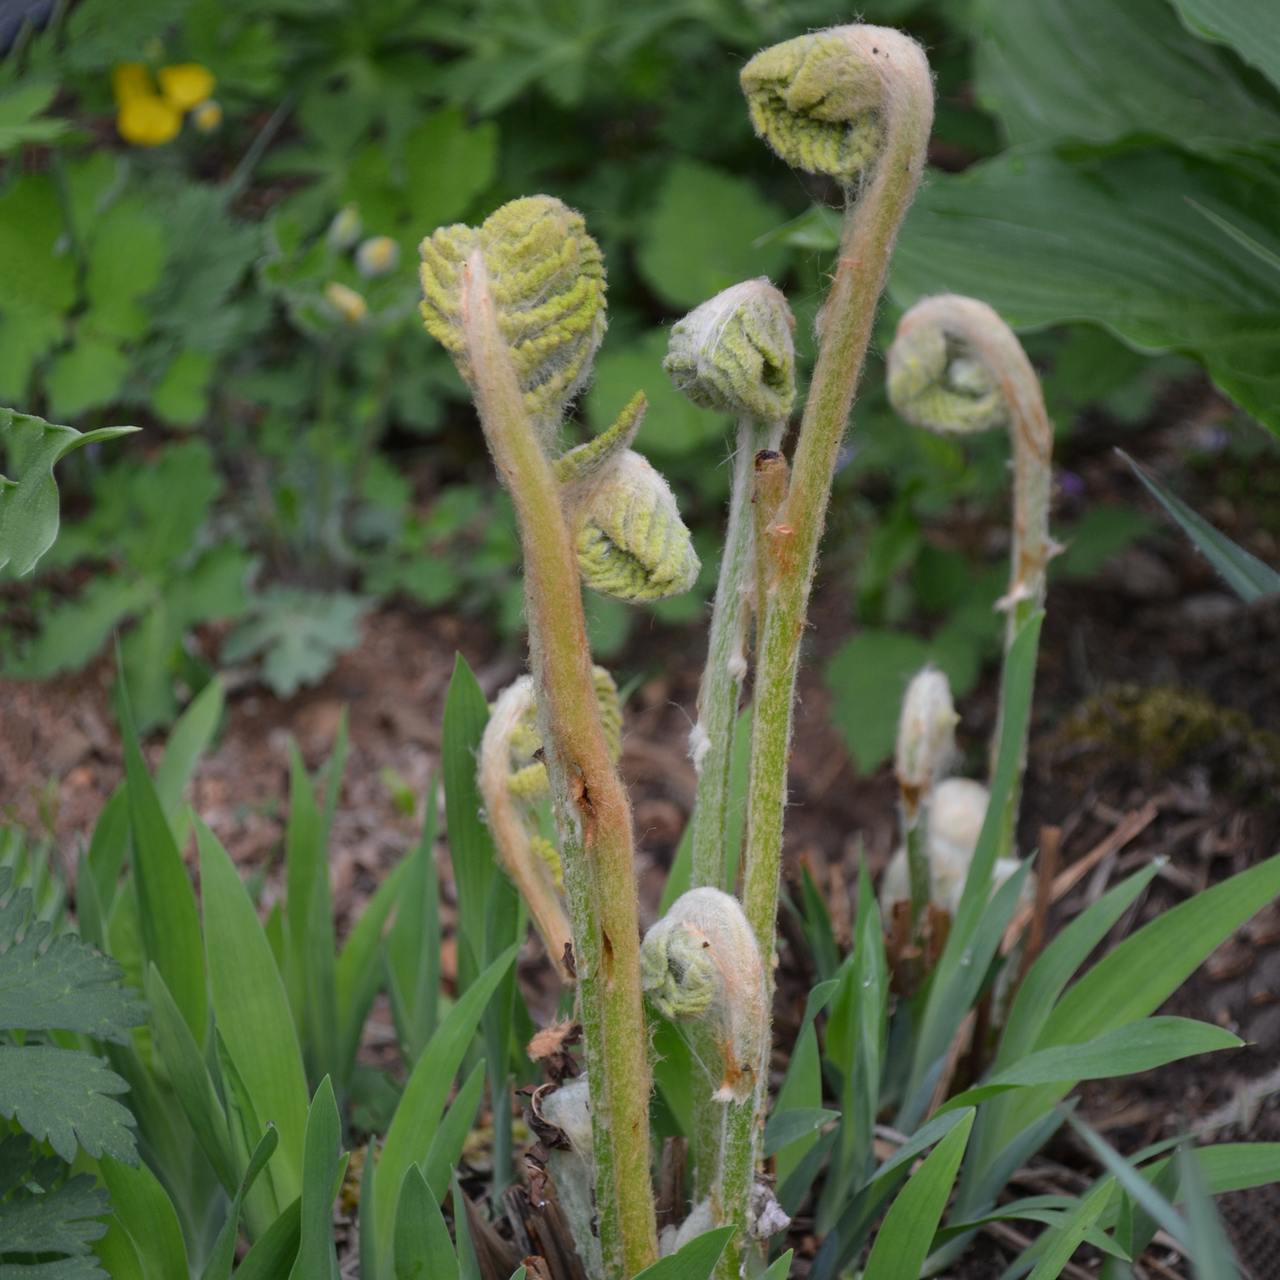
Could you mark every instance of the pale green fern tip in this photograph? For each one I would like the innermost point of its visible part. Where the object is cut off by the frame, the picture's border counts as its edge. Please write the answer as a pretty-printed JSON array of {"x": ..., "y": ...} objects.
[
  {"x": 815, "y": 101},
  {"x": 934, "y": 384}
]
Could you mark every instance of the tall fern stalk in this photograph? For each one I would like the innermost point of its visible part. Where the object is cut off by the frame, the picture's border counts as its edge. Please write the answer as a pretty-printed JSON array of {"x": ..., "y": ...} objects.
[
  {"x": 956, "y": 368},
  {"x": 589, "y": 801}
]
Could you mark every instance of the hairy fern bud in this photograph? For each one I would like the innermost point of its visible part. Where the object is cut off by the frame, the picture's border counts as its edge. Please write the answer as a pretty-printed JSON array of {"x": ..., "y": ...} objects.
[
  {"x": 820, "y": 100},
  {"x": 735, "y": 353},
  {"x": 631, "y": 543},
  {"x": 935, "y": 382},
  {"x": 546, "y": 280},
  {"x": 926, "y": 732},
  {"x": 700, "y": 963}
]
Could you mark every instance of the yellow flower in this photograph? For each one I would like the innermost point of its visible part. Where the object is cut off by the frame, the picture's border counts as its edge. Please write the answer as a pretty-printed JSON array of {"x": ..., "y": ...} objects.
[
  {"x": 147, "y": 120},
  {"x": 377, "y": 256},
  {"x": 186, "y": 85},
  {"x": 347, "y": 302},
  {"x": 207, "y": 116},
  {"x": 131, "y": 80}
]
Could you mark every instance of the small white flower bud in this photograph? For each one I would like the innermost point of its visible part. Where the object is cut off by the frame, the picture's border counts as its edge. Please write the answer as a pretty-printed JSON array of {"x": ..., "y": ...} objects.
[
  {"x": 926, "y": 732},
  {"x": 346, "y": 227},
  {"x": 349, "y": 304},
  {"x": 377, "y": 256}
]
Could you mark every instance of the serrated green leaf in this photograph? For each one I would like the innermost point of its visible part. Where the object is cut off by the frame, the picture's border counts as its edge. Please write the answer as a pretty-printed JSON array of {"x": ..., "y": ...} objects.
[
  {"x": 64, "y": 1220},
  {"x": 67, "y": 987},
  {"x": 17, "y": 109},
  {"x": 298, "y": 633},
  {"x": 181, "y": 397},
  {"x": 62, "y": 1096},
  {"x": 29, "y": 496},
  {"x": 703, "y": 232},
  {"x": 125, "y": 262},
  {"x": 89, "y": 376},
  {"x": 1245, "y": 574}
]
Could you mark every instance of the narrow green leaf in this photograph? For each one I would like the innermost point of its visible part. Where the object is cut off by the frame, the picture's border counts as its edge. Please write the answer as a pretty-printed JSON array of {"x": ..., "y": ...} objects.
[
  {"x": 317, "y": 1257},
  {"x": 272, "y": 1255},
  {"x": 188, "y": 740},
  {"x": 167, "y": 916},
  {"x": 1210, "y": 1253},
  {"x": 423, "y": 1250},
  {"x": 466, "y": 712},
  {"x": 1072, "y": 1232},
  {"x": 303, "y": 858},
  {"x": 905, "y": 1235},
  {"x": 358, "y": 971},
  {"x": 695, "y": 1261},
  {"x": 1139, "y": 1046},
  {"x": 1245, "y": 574},
  {"x": 367, "y": 1218},
  {"x": 787, "y": 1126},
  {"x": 333, "y": 783},
  {"x": 191, "y": 1082},
  {"x": 468, "y": 1263},
  {"x": 418, "y": 1115},
  {"x": 109, "y": 845},
  {"x": 252, "y": 1010},
  {"x": 116, "y": 1253},
  {"x": 779, "y": 1268},
  {"x": 801, "y": 1090},
  {"x": 223, "y": 1255},
  {"x": 1237, "y": 1166},
  {"x": 446, "y": 1146},
  {"x": 145, "y": 1212}
]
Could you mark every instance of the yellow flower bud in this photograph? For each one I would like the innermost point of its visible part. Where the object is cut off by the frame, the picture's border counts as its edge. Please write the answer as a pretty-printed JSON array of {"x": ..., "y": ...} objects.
[
  {"x": 186, "y": 85},
  {"x": 546, "y": 280},
  {"x": 207, "y": 116},
  {"x": 378, "y": 256},
  {"x": 147, "y": 121},
  {"x": 349, "y": 304},
  {"x": 131, "y": 80},
  {"x": 346, "y": 227},
  {"x": 735, "y": 353}
]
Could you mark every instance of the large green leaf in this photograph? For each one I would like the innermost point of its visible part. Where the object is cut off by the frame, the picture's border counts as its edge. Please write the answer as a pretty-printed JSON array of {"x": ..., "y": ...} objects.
[
  {"x": 61, "y": 1096},
  {"x": 28, "y": 492},
  {"x": 252, "y": 1010},
  {"x": 125, "y": 261},
  {"x": 1096, "y": 70},
  {"x": 64, "y": 1220},
  {"x": 418, "y": 1114},
  {"x": 693, "y": 1261},
  {"x": 1250, "y": 29},
  {"x": 907, "y": 1231},
  {"x": 701, "y": 236},
  {"x": 1245, "y": 574},
  {"x": 1112, "y": 241}
]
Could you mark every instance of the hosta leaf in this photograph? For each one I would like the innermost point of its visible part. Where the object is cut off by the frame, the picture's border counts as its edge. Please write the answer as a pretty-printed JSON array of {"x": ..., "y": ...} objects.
[
  {"x": 28, "y": 492},
  {"x": 1250, "y": 29},
  {"x": 68, "y": 988},
  {"x": 61, "y": 1095},
  {"x": 64, "y": 1220},
  {"x": 1114, "y": 242},
  {"x": 1097, "y": 70}
]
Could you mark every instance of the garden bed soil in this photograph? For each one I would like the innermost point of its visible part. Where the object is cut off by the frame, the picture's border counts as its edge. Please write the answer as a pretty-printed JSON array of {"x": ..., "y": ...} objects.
[{"x": 1155, "y": 686}]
